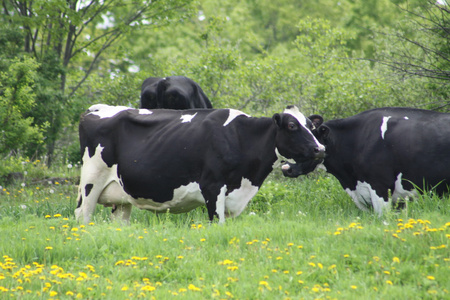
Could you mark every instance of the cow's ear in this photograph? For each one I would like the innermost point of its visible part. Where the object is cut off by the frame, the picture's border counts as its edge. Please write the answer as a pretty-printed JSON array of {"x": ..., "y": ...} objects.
[
  {"x": 317, "y": 120},
  {"x": 323, "y": 131},
  {"x": 277, "y": 119}
]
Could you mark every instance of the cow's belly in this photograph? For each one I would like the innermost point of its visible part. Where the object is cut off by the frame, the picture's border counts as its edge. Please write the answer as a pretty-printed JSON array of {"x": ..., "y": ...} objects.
[
  {"x": 185, "y": 198},
  {"x": 113, "y": 194}
]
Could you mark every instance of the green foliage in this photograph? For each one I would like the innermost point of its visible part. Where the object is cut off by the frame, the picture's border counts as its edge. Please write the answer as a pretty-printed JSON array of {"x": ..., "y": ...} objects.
[
  {"x": 17, "y": 169},
  {"x": 17, "y": 100}
]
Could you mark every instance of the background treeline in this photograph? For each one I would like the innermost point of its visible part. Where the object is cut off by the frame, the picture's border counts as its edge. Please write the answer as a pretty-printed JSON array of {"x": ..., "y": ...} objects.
[{"x": 335, "y": 58}]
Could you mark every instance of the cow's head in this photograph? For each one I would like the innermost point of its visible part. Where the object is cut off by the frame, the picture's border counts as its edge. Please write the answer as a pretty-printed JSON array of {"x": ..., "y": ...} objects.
[
  {"x": 320, "y": 131},
  {"x": 296, "y": 141}
]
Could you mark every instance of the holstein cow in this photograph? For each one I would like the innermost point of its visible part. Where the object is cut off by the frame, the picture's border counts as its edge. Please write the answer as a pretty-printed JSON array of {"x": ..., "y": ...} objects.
[
  {"x": 173, "y": 92},
  {"x": 385, "y": 150},
  {"x": 177, "y": 160}
]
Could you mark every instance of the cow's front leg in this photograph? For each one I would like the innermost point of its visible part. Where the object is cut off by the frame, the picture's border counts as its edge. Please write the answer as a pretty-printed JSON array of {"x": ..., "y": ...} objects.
[
  {"x": 87, "y": 200},
  {"x": 121, "y": 212}
]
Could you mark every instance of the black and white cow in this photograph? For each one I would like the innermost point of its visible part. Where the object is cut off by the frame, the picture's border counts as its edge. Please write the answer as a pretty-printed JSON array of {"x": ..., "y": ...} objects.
[
  {"x": 386, "y": 149},
  {"x": 176, "y": 160},
  {"x": 173, "y": 92}
]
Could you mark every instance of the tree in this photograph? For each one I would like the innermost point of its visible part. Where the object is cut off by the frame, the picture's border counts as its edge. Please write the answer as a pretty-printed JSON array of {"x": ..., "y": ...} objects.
[
  {"x": 420, "y": 47},
  {"x": 16, "y": 100},
  {"x": 71, "y": 38}
]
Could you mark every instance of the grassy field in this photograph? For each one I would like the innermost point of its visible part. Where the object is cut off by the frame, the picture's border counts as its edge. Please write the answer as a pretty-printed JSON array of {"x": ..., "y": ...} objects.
[{"x": 298, "y": 239}]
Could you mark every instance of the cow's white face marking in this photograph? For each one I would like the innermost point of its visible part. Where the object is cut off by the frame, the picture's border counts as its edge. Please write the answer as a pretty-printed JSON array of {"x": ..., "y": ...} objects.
[
  {"x": 364, "y": 195},
  {"x": 384, "y": 126},
  {"x": 187, "y": 118},
  {"x": 106, "y": 111},
  {"x": 143, "y": 111},
  {"x": 293, "y": 111},
  {"x": 233, "y": 114}
]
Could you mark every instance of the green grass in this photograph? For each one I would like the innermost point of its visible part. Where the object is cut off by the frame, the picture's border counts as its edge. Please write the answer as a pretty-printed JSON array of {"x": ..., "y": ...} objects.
[{"x": 298, "y": 239}]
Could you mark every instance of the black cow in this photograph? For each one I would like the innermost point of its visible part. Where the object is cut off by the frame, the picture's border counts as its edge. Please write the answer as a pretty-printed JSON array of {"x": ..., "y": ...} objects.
[
  {"x": 386, "y": 150},
  {"x": 176, "y": 160},
  {"x": 173, "y": 92}
]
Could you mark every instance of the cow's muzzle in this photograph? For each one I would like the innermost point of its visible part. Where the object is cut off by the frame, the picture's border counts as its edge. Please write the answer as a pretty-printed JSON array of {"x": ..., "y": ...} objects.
[
  {"x": 295, "y": 170},
  {"x": 291, "y": 170},
  {"x": 319, "y": 152}
]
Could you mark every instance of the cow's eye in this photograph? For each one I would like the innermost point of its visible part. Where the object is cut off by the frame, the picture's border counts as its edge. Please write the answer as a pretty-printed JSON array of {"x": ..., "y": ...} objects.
[{"x": 292, "y": 126}]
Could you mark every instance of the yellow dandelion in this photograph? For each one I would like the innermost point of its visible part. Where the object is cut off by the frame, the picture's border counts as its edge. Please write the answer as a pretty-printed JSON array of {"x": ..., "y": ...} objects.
[
  {"x": 430, "y": 277},
  {"x": 148, "y": 288},
  {"x": 264, "y": 283},
  {"x": 192, "y": 287}
]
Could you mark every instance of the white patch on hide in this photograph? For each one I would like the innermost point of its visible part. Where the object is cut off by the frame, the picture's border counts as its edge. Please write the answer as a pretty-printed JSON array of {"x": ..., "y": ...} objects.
[
  {"x": 406, "y": 118},
  {"x": 144, "y": 111},
  {"x": 384, "y": 126},
  {"x": 295, "y": 112},
  {"x": 233, "y": 114},
  {"x": 364, "y": 195},
  {"x": 106, "y": 111},
  {"x": 237, "y": 200},
  {"x": 400, "y": 192},
  {"x": 187, "y": 118}
]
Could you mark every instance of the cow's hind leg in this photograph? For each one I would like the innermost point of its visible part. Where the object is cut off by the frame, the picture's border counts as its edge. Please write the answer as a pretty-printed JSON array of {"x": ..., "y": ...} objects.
[
  {"x": 215, "y": 203},
  {"x": 121, "y": 212}
]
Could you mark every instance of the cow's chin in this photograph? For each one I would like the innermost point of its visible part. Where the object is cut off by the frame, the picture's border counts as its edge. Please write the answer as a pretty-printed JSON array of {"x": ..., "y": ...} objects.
[{"x": 295, "y": 170}]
